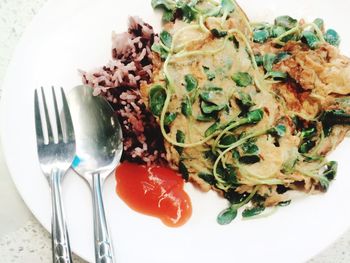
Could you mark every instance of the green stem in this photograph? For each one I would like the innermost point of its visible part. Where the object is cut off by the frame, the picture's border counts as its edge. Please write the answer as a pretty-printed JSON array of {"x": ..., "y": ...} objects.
[{"x": 247, "y": 200}]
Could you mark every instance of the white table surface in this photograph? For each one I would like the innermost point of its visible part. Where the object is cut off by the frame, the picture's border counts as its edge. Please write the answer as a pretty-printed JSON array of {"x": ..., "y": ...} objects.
[{"x": 22, "y": 238}]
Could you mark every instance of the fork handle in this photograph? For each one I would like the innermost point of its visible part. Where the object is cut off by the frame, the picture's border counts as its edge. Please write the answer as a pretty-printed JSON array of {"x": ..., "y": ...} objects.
[
  {"x": 103, "y": 242},
  {"x": 61, "y": 252}
]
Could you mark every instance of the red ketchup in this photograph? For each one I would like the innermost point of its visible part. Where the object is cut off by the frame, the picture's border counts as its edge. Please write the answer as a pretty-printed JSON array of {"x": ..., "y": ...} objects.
[{"x": 156, "y": 191}]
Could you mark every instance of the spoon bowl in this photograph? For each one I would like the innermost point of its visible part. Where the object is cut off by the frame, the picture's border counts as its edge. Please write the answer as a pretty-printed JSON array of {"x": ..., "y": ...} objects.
[{"x": 98, "y": 151}]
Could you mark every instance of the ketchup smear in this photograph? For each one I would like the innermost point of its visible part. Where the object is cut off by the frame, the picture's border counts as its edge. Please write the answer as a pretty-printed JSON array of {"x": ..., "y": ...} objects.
[{"x": 156, "y": 191}]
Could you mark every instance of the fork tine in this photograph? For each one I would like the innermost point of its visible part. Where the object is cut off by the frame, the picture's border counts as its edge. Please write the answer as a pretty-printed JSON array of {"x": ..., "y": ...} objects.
[
  {"x": 47, "y": 118},
  {"x": 58, "y": 120},
  {"x": 38, "y": 124},
  {"x": 68, "y": 118}
]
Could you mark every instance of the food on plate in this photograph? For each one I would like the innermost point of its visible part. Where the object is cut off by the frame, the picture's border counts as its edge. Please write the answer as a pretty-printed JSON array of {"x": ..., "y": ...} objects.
[
  {"x": 154, "y": 190},
  {"x": 250, "y": 110}
]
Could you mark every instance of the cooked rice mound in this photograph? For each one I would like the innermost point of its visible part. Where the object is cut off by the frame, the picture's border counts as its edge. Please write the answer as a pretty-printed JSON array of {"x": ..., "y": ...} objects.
[{"x": 119, "y": 83}]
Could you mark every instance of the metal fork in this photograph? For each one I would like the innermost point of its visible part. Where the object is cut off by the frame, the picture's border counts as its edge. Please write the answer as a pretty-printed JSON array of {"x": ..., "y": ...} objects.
[{"x": 55, "y": 156}]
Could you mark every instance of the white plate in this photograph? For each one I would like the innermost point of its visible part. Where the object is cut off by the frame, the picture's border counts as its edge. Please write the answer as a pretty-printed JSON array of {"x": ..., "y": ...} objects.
[{"x": 68, "y": 35}]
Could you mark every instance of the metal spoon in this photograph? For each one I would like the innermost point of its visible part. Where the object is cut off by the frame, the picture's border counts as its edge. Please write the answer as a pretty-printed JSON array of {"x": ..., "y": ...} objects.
[{"x": 98, "y": 151}]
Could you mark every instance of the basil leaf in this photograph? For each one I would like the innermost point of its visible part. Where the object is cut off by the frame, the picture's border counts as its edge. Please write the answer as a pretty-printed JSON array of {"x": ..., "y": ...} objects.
[
  {"x": 249, "y": 159},
  {"x": 180, "y": 138},
  {"x": 184, "y": 171},
  {"x": 253, "y": 211},
  {"x": 166, "y": 38},
  {"x": 261, "y": 36},
  {"x": 166, "y": 4},
  {"x": 250, "y": 147},
  {"x": 319, "y": 23},
  {"x": 227, "y": 216},
  {"x": 186, "y": 107},
  {"x": 227, "y": 6},
  {"x": 157, "y": 97},
  {"x": 212, "y": 129},
  {"x": 310, "y": 39},
  {"x": 332, "y": 37},
  {"x": 209, "y": 108},
  {"x": 281, "y": 56},
  {"x": 208, "y": 178},
  {"x": 228, "y": 140},
  {"x": 242, "y": 79},
  {"x": 160, "y": 50},
  {"x": 169, "y": 118},
  {"x": 277, "y": 75},
  {"x": 210, "y": 74},
  {"x": 217, "y": 33},
  {"x": 191, "y": 82},
  {"x": 277, "y": 31},
  {"x": 286, "y": 21},
  {"x": 268, "y": 61},
  {"x": 205, "y": 118}
]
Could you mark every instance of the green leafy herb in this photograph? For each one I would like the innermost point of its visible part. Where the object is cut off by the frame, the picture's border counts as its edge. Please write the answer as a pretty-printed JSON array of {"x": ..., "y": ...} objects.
[
  {"x": 310, "y": 39},
  {"x": 209, "y": 108},
  {"x": 168, "y": 16},
  {"x": 191, "y": 82},
  {"x": 330, "y": 170},
  {"x": 186, "y": 107},
  {"x": 160, "y": 50},
  {"x": 227, "y": 216},
  {"x": 250, "y": 147},
  {"x": 328, "y": 173},
  {"x": 253, "y": 211},
  {"x": 259, "y": 60},
  {"x": 168, "y": 7},
  {"x": 169, "y": 118},
  {"x": 279, "y": 130},
  {"x": 277, "y": 31},
  {"x": 309, "y": 132},
  {"x": 180, "y": 138},
  {"x": 166, "y": 38},
  {"x": 286, "y": 22},
  {"x": 242, "y": 79},
  {"x": 277, "y": 75},
  {"x": 332, "y": 118},
  {"x": 281, "y": 56},
  {"x": 217, "y": 33},
  {"x": 245, "y": 99},
  {"x": 210, "y": 155},
  {"x": 212, "y": 129},
  {"x": 234, "y": 197},
  {"x": 157, "y": 97},
  {"x": 307, "y": 146},
  {"x": 319, "y": 23},
  {"x": 207, "y": 177},
  {"x": 255, "y": 116},
  {"x": 184, "y": 171},
  {"x": 332, "y": 37},
  {"x": 166, "y": 4},
  {"x": 268, "y": 61},
  {"x": 189, "y": 13},
  {"x": 205, "y": 118},
  {"x": 210, "y": 74},
  {"x": 227, "y": 174},
  {"x": 228, "y": 6},
  {"x": 261, "y": 36},
  {"x": 249, "y": 159},
  {"x": 228, "y": 139}
]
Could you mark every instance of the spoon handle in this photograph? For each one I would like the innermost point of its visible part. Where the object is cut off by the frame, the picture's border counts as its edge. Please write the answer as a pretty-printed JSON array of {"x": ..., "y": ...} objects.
[{"x": 103, "y": 242}]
